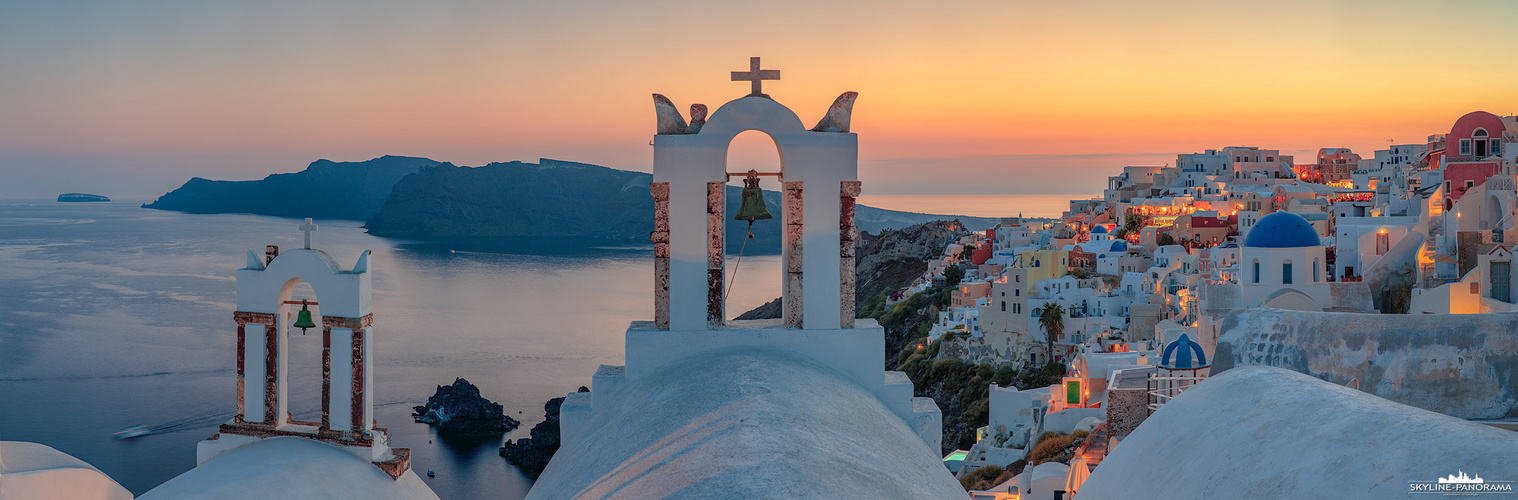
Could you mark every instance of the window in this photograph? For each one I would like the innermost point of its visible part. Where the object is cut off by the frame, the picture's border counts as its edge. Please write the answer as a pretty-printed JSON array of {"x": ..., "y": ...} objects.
[
  {"x": 1446, "y": 187},
  {"x": 1017, "y": 293},
  {"x": 1256, "y": 271},
  {"x": 1469, "y": 184},
  {"x": 1286, "y": 273},
  {"x": 1465, "y": 147},
  {"x": 1003, "y": 306},
  {"x": 1315, "y": 271},
  {"x": 1496, "y": 147}
]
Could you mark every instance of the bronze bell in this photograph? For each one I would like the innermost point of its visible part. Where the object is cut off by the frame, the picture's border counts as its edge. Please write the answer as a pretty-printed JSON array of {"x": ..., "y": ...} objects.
[
  {"x": 752, "y": 208},
  {"x": 303, "y": 320}
]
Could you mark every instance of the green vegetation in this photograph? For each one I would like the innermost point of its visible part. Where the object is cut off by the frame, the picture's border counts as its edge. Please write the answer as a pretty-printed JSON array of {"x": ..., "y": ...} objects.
[
  {"x": 952, "y": 276},
  {"x": 1397, "y": 291},
  {"x": 967, "y": 253},
  {"x": 1166, "y": 239},
  {"x": 1052, "y": 318},
  {"x": 1132, "y": 225},
  {"x": 1078, "y": 272}
]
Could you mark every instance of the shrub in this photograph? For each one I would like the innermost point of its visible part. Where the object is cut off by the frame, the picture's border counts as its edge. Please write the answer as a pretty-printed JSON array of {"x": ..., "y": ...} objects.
[
  {"x": 1004, "y": 376},
  {"x": 982, "y": 478},
  {"x": 1055, "y": 447}
]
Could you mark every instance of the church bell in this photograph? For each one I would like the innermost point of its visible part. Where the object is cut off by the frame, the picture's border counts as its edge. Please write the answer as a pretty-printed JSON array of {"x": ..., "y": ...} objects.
[
  {"x": 303, "y": 319},
  {"x": 752, "y": 207}
]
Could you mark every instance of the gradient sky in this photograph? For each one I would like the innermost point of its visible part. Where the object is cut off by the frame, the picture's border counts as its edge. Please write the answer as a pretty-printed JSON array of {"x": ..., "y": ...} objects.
[{"x": 132, "y": 98}]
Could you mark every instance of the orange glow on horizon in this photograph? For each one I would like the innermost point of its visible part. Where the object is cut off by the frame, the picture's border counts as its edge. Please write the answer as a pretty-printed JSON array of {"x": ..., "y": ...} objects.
[{"x": 1011, "y": 92}]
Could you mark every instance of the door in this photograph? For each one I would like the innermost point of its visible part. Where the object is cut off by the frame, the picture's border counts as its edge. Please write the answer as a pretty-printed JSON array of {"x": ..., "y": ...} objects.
[{"x": 1502, "y": 281}]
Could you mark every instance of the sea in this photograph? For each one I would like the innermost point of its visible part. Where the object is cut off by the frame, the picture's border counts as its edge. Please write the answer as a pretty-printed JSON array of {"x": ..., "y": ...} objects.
[{"x": 113, "y": 316}]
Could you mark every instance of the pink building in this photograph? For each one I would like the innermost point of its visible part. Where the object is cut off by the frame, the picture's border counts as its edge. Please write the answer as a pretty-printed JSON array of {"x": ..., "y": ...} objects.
[{"x": 1471, "y": 148}]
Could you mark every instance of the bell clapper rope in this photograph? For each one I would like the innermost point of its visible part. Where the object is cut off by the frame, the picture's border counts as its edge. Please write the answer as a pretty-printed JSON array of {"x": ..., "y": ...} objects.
[
  {"x": 737, "y": 261},
  {"x": 751, "y": 209}
]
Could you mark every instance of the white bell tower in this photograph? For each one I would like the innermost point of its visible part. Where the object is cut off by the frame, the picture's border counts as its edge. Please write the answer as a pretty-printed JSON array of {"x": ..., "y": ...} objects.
[{"x": 264, "y": 319}]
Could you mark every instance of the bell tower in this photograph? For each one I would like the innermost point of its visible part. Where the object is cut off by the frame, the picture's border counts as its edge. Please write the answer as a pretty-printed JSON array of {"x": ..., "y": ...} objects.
[
  {"x": 818, "y": 179},
  {"x": 265, "y": 315}
]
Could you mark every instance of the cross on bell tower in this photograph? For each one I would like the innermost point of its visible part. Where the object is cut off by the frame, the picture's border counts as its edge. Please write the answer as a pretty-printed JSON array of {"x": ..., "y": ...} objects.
[
  {"x": 308, "y": 228},
  {"x": 755, "y": 76}
]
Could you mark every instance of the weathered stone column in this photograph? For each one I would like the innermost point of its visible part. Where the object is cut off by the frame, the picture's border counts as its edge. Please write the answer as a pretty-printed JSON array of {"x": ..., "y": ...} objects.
[
  {"x": 793, "y": 306},
  {"x": 847, "y": 234},
  {"x": 716, "y": 232},
  {"x": 326, "y": 374},
  {"x": 271, "y": 375},
  {"x": 660, "y": 237},
  {"x": 264, "y": 321},
  {"x": 359, "y": 416}
]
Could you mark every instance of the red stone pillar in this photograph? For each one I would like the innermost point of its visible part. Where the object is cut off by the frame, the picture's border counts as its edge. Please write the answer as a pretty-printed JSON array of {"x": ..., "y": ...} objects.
[
  {"x": 326, "y": 375},
  {"x": 271, "y": 375},
  {"x": 243, "y": 318},
  {"x": 242, "y": 351},
  {"x": 847, "y": 234},
  {"x": 357, "y": 404},
  {"x": 792, "y": 305},
  {"x": 716, "y": 232},
  {"x": 660, "y": 237}
]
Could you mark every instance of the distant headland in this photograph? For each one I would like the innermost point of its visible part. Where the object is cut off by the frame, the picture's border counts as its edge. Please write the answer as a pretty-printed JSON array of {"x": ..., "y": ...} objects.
[{"x": 420, "y": 198}]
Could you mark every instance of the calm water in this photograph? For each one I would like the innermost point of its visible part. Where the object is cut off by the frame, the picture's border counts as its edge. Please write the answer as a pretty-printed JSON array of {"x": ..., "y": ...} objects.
[{"x": 112, "y": 316}]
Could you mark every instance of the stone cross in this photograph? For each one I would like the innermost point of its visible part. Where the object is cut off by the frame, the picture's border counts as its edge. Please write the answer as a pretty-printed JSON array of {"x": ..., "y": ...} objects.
[
  {"x": 754, "y": 76},
  {"x": 309, "y": 228}
]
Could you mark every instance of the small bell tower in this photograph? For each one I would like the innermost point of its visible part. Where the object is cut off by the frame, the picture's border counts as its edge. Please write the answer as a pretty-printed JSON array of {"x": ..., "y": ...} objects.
[
  {"x": 264, "y": 322},
  {"x": 818, "y": 179}
]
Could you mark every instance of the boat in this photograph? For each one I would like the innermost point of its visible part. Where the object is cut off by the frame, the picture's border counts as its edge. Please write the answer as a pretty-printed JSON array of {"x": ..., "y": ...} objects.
[
  {"x": 430, "y": 473},
  {"x": 133, "y": 431}
]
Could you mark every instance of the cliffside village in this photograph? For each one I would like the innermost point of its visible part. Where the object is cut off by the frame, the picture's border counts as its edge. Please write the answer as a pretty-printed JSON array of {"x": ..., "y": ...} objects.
[{"x": 1142, "y": 284}]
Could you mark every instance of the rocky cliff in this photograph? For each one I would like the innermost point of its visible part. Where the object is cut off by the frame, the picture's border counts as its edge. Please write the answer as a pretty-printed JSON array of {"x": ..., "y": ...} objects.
[
  {"x": 325, "y": 189},
  {"x": 459, "y": 409},
  {"x": 532, "y": 454}
]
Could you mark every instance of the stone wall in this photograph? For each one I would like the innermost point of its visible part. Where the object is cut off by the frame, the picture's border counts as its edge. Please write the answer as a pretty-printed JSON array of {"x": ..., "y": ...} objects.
[
  {"x": 1126, "y": 409},
  {"x": 1464, "y": 365}
]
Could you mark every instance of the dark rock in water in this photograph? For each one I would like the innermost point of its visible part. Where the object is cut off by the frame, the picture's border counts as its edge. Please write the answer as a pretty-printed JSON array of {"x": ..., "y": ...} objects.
[
  {"x": 532, "y": 454},
  {"x": 73, "y": 197},
  {"x": 458, "y": 409}
]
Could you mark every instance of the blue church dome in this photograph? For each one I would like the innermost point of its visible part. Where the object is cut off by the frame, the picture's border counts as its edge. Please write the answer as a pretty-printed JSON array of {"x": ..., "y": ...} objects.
[
  {"x": 1183, "y": 354},
  {"x": 1099, "y": 229},
  {"x": 1119, "y": 246},
  {"x": 1282, "y": 230}
]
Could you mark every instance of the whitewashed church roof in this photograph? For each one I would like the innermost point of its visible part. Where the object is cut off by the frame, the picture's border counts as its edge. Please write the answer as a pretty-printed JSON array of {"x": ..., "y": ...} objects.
[
  {"x": 289, "y": 468},
  {"x": 1268, "y": 433},
  {"x": 745, "y": 423}
]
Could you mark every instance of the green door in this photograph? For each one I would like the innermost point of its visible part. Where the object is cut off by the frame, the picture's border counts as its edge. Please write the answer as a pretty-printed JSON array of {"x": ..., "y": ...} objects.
[{"x": 1073, "y": 392}]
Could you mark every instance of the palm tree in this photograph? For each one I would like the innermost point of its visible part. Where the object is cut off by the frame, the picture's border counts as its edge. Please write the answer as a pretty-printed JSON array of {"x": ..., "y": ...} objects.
[
  {"x": 1052, "y": 318},
  {"x": 967, "y": 253}
]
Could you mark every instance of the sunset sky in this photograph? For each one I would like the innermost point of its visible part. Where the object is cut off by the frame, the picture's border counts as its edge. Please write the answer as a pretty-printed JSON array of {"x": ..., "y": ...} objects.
[{"x": 133, "y": 98}]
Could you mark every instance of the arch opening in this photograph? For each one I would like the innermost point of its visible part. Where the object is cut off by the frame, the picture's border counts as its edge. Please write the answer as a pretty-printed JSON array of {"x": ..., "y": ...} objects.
[
  {"x": 753, "y": 267},
  {"x": 303, "y": 353}
]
